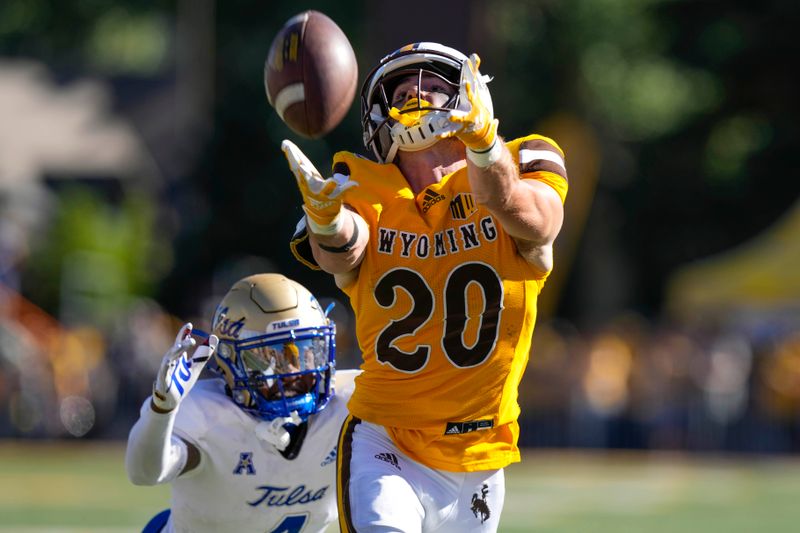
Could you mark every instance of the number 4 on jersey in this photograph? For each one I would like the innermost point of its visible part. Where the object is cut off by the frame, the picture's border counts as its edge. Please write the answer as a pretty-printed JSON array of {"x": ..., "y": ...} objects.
[{"x": 292, "y": 523}]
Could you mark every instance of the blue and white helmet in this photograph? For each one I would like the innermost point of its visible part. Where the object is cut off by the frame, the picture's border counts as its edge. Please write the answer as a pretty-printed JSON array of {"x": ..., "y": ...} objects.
[
  {"x": 383, "y": 136},
  {"x": 276, "y": 348}
]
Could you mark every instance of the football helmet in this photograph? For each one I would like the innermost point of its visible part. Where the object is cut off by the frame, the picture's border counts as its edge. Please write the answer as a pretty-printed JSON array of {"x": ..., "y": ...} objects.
[
  {"x": 383, "y": 133},
  {"x": 276, "y": 348}
]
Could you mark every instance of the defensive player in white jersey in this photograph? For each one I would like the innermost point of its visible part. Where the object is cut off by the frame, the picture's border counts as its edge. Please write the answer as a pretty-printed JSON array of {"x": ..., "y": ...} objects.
[{"x": 253, "y": 449}]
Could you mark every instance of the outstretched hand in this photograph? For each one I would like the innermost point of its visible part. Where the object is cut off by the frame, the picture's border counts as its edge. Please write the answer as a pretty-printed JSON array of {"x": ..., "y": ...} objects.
[
  {"x": 322, "y": 200},
  {"x": 478, "y": 129},
  {"x": 179, "y": 371}
]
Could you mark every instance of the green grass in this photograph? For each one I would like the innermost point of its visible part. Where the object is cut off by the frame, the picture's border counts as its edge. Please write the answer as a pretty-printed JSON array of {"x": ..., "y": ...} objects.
[
  {"x": 82, "y": 487},
  {"x": 71, "y": 487},
  {"x": 652, "y": 493}
]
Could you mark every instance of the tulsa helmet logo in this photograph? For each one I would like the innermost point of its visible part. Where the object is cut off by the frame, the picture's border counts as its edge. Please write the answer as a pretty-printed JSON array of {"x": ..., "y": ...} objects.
[{"x": 226, "y": 326}]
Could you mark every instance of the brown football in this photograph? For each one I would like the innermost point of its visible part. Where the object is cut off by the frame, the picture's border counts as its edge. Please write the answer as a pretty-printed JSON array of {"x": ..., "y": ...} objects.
[{"x": 311, "y": 74}]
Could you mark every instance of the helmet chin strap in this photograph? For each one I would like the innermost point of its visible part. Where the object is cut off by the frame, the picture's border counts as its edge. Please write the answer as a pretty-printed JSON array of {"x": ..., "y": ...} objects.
[
  {"x": 275, "y": 433},
  {"x": 392, "y": 152}
]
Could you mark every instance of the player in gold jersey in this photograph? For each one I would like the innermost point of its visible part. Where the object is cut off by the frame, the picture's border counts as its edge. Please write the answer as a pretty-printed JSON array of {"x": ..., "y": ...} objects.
[{"x": 442, "y": 245}]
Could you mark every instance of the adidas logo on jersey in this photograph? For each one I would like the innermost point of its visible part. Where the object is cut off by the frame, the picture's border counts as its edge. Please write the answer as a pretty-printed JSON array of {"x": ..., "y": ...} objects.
[
  {"x": 389, "y": 458},
  {"x": 430, "y": 199},
  {"x": 457, "y": 428},
  {"x": 330, "y": 458}
]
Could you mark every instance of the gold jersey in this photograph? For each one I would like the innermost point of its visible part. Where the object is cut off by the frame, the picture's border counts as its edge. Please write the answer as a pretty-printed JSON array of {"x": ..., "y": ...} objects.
[{"x": 445, "y": 309}]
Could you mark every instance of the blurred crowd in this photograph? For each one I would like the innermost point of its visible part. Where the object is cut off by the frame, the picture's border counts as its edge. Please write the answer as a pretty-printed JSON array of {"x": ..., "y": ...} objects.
[
  {"x": 662, "y": 385},
  {"x": 635, "y": 383},
  {"x": 58, "y": 381}
]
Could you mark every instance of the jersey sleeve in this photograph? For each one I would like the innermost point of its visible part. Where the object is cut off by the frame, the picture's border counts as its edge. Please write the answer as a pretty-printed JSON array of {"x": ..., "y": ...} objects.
[
  {"x": 301, "y": 248},
  {"x": 191, "y": 423},
  {"x": 153, "y": 454},
  {"x": 540, "y": 158}
]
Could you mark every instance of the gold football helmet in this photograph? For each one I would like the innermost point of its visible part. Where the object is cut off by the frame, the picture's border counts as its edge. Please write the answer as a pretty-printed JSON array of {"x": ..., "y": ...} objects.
[{"x": 276, "y": 347}]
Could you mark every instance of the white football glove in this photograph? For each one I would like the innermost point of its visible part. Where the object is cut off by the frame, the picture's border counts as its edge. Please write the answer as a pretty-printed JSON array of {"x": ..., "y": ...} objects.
[
  {"x": 179, "y": 371},
  {"x": 321, "y": 197}
]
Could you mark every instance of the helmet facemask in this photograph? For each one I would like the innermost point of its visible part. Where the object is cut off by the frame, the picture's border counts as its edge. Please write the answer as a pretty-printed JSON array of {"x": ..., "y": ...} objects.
[
  {"x": 384, "y": 131},
  {"x": 275, "y": 375}
]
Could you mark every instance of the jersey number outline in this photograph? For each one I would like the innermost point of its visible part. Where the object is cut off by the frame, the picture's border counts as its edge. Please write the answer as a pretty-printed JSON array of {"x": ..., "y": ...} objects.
[
  {"x": 455, "y": 316},
  {"x": 292, "y": 523}
]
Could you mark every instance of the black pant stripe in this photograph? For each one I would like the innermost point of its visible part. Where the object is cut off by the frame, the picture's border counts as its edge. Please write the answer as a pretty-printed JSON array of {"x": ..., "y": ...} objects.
[{"x": 343, "y": 459}]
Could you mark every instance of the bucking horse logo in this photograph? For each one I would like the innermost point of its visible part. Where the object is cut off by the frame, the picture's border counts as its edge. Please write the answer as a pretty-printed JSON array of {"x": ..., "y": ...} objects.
[{"x": 479, "y": 504}]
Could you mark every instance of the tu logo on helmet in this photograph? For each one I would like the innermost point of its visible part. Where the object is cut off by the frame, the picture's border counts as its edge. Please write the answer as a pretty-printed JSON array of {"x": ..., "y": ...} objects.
[{"x": 226, "y": 326}]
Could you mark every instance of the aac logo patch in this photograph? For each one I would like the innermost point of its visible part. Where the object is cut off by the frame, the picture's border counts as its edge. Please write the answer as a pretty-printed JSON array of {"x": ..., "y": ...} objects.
[{"x": 245, "y": 464}]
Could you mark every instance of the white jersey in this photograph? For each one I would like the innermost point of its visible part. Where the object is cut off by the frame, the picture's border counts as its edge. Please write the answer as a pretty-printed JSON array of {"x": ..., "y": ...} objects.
[{"x": 243, "y": 483}]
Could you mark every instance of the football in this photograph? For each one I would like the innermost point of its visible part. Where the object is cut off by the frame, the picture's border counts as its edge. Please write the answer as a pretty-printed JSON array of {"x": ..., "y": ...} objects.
[{"x": 311, "y": 74}]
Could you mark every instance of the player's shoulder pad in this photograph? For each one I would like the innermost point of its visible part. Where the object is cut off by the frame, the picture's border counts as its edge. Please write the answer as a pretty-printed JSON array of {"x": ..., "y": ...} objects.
[
  {"x": 542, "y": 159},
  {"x": 536, "y": 153},
  {"x": 345, "y": 156},
  {"x": 343, "y": 162},
  {"x": 375, "y": 180},
  {"x": 193, "y": 413}
]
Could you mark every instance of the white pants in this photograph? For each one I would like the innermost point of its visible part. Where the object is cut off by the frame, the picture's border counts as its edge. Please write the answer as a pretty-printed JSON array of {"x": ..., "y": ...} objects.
[{"x": 383, "y": 490}]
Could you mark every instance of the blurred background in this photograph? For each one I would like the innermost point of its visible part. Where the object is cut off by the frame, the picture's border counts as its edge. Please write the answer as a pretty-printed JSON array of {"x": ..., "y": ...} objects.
[{"x": 141, "y": 175}]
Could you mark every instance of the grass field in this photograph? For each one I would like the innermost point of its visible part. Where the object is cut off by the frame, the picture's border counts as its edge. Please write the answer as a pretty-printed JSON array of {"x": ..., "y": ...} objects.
[{"x": 81, "y": 487}]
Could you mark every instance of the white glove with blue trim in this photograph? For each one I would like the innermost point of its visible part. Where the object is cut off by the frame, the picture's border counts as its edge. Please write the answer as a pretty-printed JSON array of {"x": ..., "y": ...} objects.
[{"x": 179, "y": 371}]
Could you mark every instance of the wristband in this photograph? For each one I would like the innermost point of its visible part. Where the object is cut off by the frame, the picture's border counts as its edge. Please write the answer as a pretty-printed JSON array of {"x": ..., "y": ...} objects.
[
  {"x": 346, "y": 247},
  {"x": 332, "y": 228},
  {"x": 485, "y": 158},
  {"x": 158, "y": 402}
]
